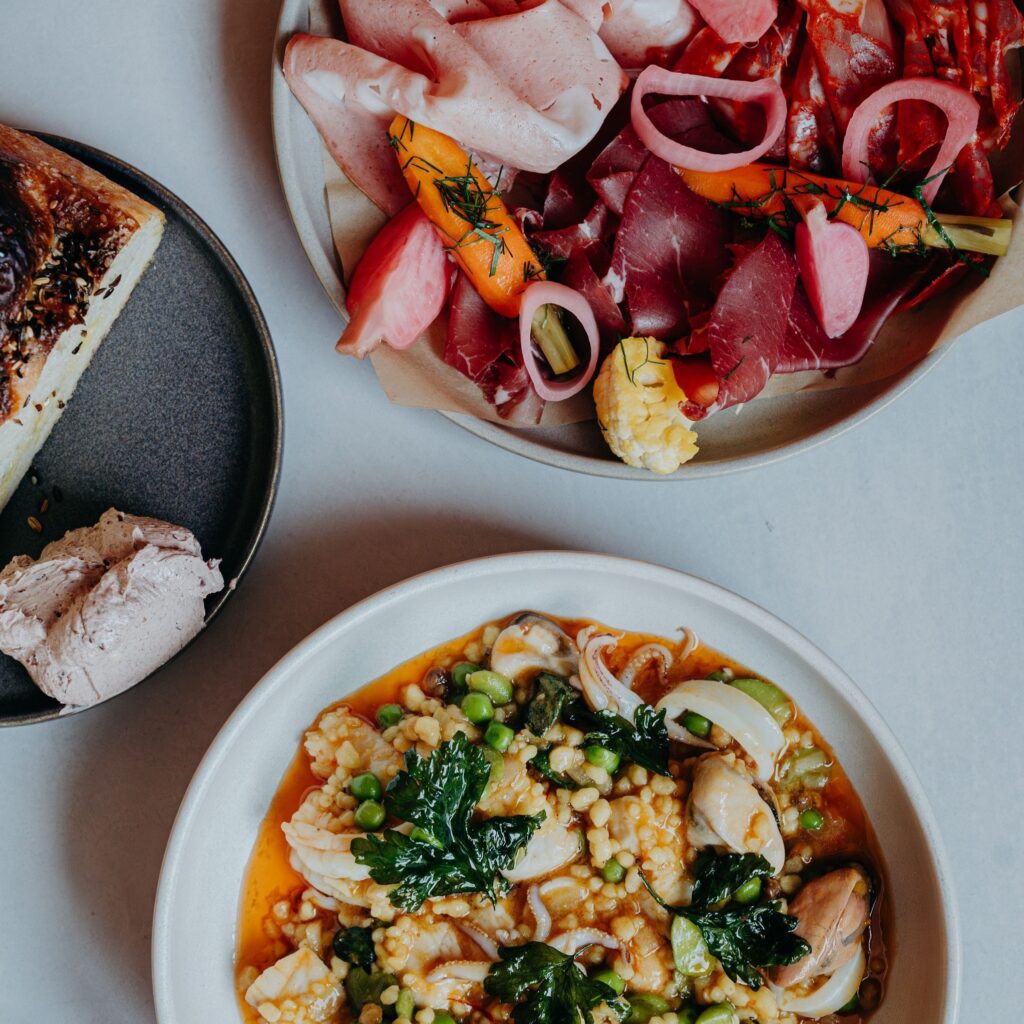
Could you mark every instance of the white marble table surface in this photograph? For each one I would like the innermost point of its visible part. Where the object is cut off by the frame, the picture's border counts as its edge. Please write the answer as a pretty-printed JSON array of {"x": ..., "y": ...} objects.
[{"x": 898, "y": 548}]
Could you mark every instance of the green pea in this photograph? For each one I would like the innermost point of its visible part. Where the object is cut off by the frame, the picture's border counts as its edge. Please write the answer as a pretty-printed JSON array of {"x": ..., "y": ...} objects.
[
  {"x": 443, "y": 1017},
  {"x": 748, "y": 891},
  {"x": 811, "y": 820},
  {"x": 723, "y": 675},
  {"x": 366, "y": 787},
  {"x": 687, "y": 1014},
  {"x": 405, "y": 1006},
  {"x": 697, "y": 724},
  {"x": 689, "y": 950},
  {"x": 602, "y": 757},
  {"x": 613, "y": 871},
  {"x": 461, "y": 673},
  {"x": 720, "y": 1013},
  {"x": 389, "y": 715},
  {"x": 370, "y": 815},
  {"x": 643, "y": 1008},
  {"x": 499, "y": 737},
  {"x": 477, "y": 707},
  {"x": 612, "y": 980},
  {"x": 491, "y": 684}
]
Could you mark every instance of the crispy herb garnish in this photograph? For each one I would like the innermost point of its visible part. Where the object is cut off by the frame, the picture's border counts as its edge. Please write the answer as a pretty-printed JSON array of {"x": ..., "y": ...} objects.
[
  {"x": 541, "y": 764},
  {"x": 719, "y": 877},
  {"x": 550, "y": 696},
  {"x": 644, "y": 741},
  {"x": 362, "y": 987},
  {"x": 448, "y": 852},
  {"x": 355, "y": 946},
  {"x": 745, "y": 938},
  {"x": 547, "y": 985}
]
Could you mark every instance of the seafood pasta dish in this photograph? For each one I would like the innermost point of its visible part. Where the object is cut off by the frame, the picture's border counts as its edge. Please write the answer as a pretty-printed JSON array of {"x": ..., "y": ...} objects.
[{"x": 548, "y": 820}]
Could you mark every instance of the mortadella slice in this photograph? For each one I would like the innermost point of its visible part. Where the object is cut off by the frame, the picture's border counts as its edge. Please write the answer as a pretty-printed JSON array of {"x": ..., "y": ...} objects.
[{"x": 529, "y": 89}]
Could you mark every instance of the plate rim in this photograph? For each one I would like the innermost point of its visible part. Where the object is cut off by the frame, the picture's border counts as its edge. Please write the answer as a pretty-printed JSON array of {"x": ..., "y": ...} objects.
[
  {"x": 518, "y": 442},
  {"x": 551, "y": 561},
  {"x": 273, "y": 375}
]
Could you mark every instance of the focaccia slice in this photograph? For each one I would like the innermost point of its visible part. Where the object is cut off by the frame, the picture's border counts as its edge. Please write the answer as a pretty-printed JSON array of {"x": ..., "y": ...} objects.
[{"x": 73, "y": 245}]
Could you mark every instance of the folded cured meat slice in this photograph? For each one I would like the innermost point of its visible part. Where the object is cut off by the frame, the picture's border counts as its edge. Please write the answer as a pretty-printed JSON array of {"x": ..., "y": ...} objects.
[
  {"x": 685, "y": 121},
  {"x": 529, "y": 88},
  {"x": 807, "y": 347},
  {"x": 639, "y": 32},
  {"x": 669, "y": 249},
  {"x": 485, "y": 348},
  {"x": 856, "y": 51},
  {"x": 747, "y": 326}
]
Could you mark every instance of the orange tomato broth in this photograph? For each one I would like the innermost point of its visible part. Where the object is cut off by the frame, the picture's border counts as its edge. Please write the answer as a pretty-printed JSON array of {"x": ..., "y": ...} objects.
[{"x": 269, "y": 877}]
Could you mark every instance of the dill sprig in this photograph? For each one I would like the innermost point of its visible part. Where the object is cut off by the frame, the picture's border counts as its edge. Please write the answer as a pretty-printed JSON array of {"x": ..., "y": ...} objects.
[
  {"x": 795, "y": 184},
  {"x": 937, "y": 227},
  {"x": 469, "y": 199}
]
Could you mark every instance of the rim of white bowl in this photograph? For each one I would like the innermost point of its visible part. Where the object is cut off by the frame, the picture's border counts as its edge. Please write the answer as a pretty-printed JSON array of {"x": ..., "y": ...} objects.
[{"x": 550, "y": 560}]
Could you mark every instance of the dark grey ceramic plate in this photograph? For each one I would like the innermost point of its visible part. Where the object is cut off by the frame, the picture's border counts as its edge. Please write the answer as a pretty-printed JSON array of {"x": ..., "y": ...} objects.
[{"x": 179, "y": 416}]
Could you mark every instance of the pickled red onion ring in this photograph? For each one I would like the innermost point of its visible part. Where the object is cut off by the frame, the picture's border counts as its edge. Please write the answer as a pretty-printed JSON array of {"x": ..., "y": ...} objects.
[
  {"x": 542, "y": 293},
  {"x": 959, "y": 106},
  {"x": 766, "y": 93}
]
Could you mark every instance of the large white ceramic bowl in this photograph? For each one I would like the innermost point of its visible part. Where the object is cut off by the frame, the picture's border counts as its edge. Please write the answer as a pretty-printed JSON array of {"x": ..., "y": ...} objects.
[{"x": 198, "y": 897}]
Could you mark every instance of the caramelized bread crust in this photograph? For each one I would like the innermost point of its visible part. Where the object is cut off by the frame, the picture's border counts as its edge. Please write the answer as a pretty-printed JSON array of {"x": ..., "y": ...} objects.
[{"x": 61, "y": 226}]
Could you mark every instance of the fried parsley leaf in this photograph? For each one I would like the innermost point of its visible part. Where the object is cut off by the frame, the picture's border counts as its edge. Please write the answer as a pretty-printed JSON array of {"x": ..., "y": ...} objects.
[
  {"x": 551, "y": 695},
  {"x": 447, "y": 852},
  {"x": 745, "y": 938},
  {"x": 717, "y": 878},
  {"x": 362, "y": 987},
  {"x": 644, "y": 741},
  {"x": 547, "y": 985},
  {"x": 541, "y": 764},
  {"x": 355, "y": 945}
]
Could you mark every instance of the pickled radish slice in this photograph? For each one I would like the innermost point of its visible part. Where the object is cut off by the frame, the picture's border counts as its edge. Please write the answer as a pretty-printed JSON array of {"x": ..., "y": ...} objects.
[{"x": 833, "y": 262}]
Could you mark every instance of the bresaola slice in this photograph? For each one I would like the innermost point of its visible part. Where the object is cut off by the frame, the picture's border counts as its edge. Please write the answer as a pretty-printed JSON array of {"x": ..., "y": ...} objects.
[
  {"x": 807, "y": 347},
  {"x": 685, "y": 121},
  {"x": 748, "y": 322},
  {"x": 579, "y": 274},
  {"x": 670, "y": 247},
  {"x": 588, "y": 233},
  {"x": 484, "y": 347}
]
